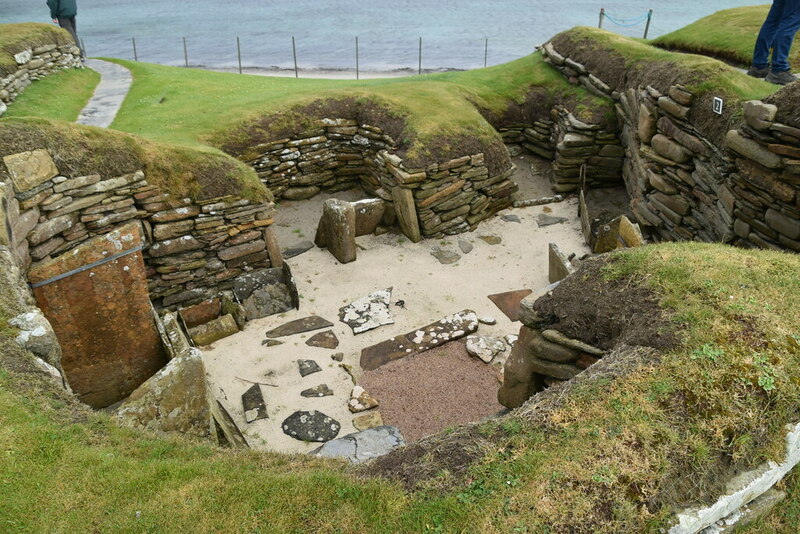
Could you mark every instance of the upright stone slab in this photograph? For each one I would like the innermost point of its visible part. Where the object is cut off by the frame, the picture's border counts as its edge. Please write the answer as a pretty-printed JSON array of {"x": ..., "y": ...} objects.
[
  {"x": 30, "y": 169},
  {"x": 102, "y": 316},
  {"x": 406, "y": 212},
  {"x": 337, "y": 230}
]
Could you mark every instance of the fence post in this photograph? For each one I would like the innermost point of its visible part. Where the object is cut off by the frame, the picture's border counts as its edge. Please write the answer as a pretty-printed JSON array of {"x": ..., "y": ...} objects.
[
  {"x": 602, "y": 16},
  {"x": 185, "y": 54},
  {"x": 135, "y": 55},
  {"x": 647, "y": 26},
  {"x": 419, "y": 69},
  {"x": 357, "y": 75},
  {"x": 485, "y": 52},
  {"x": 294, "y": 54},
  {"x": 239, "y": 53}
]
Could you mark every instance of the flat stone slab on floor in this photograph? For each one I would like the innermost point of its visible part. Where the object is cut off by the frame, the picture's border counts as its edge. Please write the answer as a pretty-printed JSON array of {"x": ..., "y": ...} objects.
[
  {"x": 324, "y": 340},
  {"x": 447, "y": 329},
  {"x": 508, "y": 302},
  {"x": 308, "y": 367},
  {"x": 311, "y": 426},
  {"x": 368, "y": 312},
  {"x": 362, "y": 446},
  {"x": 253, "y": 404},
  {"x": 298, "y": 326}
]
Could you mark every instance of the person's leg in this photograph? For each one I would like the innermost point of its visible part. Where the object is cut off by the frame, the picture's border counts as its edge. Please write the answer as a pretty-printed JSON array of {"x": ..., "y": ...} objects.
[
  {"x": 784, "y": 37},
  {"x": 68, "y": 23},
  {"x": 766, "y": 36}
]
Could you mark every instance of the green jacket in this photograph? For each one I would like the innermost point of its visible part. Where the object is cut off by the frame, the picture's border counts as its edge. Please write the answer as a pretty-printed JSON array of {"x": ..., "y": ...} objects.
[{"x": 62, "y": 8}]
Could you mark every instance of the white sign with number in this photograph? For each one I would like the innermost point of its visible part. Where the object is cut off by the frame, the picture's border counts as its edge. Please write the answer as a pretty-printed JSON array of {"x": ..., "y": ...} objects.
[{"x": 717, "y": 105}]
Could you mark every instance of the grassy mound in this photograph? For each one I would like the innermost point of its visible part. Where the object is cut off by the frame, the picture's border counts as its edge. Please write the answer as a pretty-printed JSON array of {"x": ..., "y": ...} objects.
[
  {"x": 59, "y": 96},
  {"x": 15, "y": 38},
  {"x": 81, "y": 150},
  {"x": 623, "y": 62},
  {"x": 729, "y": 35},
  {"x": 656, "y": 429},
  {"x": 440, "y": 116}
]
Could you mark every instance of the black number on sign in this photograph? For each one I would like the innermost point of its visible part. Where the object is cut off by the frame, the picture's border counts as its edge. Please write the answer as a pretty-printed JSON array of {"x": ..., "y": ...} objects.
[{"x": 717, "y": 105}]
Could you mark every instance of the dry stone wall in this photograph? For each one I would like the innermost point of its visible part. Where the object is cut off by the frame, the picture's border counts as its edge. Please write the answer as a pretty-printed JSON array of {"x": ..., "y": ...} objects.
[
  {"x": 571, "y": 144},
  {"x": 444, "y": 198},
  {"x": 36, "y": 63},
  {"x": 683, "y": 185},
  {"x": 194, "y": 248}
]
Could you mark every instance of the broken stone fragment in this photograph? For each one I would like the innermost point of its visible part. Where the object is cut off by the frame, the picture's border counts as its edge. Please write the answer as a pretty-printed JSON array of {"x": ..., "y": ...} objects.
[
  {"x": 445, "y": 257},
  {"x": 37, "y": 335},
  {"x": 485, "y": 347},
  {"x": 339, "y": 356},
  {"x": 361, "y": 401},
  {"x": 310, "y": 426},
  {"x": 337, "y": 230},
  {"x": 368, "y": 312},
  {"x": 271, "y": 342},
  {"x": 308, "y": 367},
  {"x": 253, "y": 404},
  {"x": 368, "y": 420},
  {"x": 298, "y": 326},
  {"x": 321, "y": 390},
  {"x": 325, "y": 340}
]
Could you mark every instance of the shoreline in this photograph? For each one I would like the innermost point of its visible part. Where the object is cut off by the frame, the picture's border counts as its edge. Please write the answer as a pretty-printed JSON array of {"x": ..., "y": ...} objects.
[{"x": 328, "y": 73}]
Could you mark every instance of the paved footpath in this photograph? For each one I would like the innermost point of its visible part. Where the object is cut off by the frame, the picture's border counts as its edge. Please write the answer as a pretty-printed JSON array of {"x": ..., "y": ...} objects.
[{"x": 115, "y": 80}]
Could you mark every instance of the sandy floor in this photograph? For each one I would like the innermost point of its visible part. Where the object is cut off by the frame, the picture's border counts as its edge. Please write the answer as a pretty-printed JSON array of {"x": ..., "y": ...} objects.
[
  {"x": 430, "y": 291},
  {"x": 428, "y": 392}
]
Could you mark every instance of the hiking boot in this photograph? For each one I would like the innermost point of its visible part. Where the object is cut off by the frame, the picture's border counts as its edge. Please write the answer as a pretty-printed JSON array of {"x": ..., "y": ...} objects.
[
  {"x": 781, "y": 78},
  {"x": 755, "y": 72}
]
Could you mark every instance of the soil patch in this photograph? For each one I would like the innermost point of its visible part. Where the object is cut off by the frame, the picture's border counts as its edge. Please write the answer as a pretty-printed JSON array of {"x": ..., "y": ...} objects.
[
  {"x": 605, "y": 313},
  {"x": 426, "y": 393}
]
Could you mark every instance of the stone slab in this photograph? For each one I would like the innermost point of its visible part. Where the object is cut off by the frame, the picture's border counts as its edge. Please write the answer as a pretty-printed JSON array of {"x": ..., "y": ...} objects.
[
  {"x": 368, "y": 313},
  {"x": 417, "y": 341},
  {"x": 103, "y": 317},
  {"x": 324, "y": 340},
  {"x": 30, "y": 169},
  {"x": 311, "y": 426},
  {"x": 253, "y": 404},
  {"x": 201, "y": 313},
  {"x": 362, "y": 446},
  {"x": 508, "y": 302},
  {"x": 298, "y": 326}
]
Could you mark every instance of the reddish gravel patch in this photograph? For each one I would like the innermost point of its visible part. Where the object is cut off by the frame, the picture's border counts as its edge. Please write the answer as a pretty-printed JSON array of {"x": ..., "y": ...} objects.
[{"x": 428, "y": 392}]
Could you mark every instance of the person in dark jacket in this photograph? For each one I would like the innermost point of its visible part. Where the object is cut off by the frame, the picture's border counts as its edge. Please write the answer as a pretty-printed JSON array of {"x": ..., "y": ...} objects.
[
  {"x": 777, "y": 34},
  {"x": 63, "y": 13}
]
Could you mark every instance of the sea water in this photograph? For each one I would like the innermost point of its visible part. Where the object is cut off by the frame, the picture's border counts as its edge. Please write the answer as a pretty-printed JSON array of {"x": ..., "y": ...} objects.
[{"x": 455, "y": 34}]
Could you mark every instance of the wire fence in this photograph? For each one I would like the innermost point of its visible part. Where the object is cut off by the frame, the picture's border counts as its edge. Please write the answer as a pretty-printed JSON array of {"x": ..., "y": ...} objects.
[
  {"x": 231, "y": 55},
  {"x": 627, "y": 22}
]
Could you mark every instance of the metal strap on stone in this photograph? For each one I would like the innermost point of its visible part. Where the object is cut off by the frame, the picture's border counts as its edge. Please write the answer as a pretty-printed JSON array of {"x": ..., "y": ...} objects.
[{"x": 86, "y": 267}]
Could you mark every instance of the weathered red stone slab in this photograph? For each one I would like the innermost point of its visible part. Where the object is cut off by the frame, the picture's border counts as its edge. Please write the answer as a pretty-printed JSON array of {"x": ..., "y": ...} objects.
[
  {"x": 509, "y": 302},
  {"x": 102, "y": 317},
  {"x": 201, "y": 313}
]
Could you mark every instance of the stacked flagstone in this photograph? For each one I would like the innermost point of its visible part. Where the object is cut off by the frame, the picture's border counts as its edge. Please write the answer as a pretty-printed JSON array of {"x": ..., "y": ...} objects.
[
  {"x": 194, "y": 248},
  {"x": 445, "y": 198},
  {"x": 36, "y": 63},
  {"x": 683, "y": 184}
]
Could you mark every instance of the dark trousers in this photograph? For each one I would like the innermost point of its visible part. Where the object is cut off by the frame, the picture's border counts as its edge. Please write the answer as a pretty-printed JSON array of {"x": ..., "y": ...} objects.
[
  {"x": 777, "y": 34},
  {"x": 68, "y": 23}
]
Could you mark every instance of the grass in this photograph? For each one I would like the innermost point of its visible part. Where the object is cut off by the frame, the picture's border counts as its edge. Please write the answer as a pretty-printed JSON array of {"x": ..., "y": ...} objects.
[
  {"x": 606, "y": 459},
  {"x": 198, "y": 173},
  {"x": 164, "y": 101},
  {"x": 15, "y": 38},
  {"x": 729, "y": 34},
  {"x": 59, "y": 96},
  {"x": 700, "y": 74}
]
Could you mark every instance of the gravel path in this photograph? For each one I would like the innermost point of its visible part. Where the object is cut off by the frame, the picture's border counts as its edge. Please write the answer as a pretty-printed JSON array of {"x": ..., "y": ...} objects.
[
  {"x": 115, "y": 81},
  {"x": 429, "y": 392}
]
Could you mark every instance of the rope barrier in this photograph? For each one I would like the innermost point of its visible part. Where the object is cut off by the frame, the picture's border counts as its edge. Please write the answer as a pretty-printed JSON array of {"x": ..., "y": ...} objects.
[{"x": 634, "y": 21}]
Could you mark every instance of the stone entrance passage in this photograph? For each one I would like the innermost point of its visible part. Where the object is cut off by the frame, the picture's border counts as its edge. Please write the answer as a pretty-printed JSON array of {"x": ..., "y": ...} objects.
[{"x": 96, "y": 298}]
